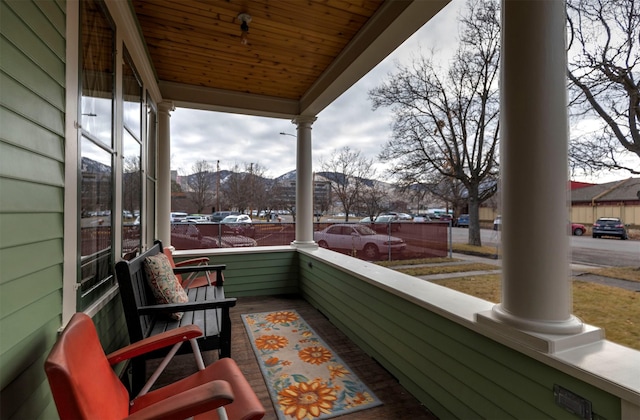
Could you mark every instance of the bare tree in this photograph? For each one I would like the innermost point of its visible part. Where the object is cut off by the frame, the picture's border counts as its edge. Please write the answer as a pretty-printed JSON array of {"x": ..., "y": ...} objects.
[
  {"x": 446, "y": 122},
  {"x": 132, "y": 184},
  {"x": 280, "y": 198},
  {"x": 346, "y": 170},
  {"x": 201, "y": 184},
  {"x": 604, "y": 60},
  {"x": 245, "y": 188},
  {"x": 257, "y": 186},
  {"x": 373, "y": 197}
]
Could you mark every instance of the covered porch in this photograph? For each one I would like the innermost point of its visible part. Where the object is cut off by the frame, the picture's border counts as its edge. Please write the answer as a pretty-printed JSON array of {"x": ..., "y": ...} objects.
[{"x": 459, "y": 356}]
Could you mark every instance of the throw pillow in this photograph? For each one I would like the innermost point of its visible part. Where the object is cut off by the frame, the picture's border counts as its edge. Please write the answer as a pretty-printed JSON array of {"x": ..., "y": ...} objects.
[{"x": 165, "y": 286}]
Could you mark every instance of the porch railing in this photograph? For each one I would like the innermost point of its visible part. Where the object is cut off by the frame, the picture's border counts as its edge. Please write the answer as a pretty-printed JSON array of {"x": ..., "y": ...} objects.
[{"x": 372, "y": 242}]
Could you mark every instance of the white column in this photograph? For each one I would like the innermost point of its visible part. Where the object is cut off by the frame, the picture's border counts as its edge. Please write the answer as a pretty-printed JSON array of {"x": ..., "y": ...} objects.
[
  {"x": 304, "y": 182},
  {"x": 164, "y": 173},
  {"x": 536, "y": 288}
]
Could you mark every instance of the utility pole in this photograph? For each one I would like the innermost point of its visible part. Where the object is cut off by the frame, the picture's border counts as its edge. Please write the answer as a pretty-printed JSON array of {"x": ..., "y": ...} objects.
[
  {"x": 218, "y": 187},
  {"x": 251, "y": 189}
]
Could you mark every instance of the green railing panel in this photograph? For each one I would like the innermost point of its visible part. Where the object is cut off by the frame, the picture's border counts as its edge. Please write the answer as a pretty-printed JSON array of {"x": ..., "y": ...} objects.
[{"x": 453, "y": 370}]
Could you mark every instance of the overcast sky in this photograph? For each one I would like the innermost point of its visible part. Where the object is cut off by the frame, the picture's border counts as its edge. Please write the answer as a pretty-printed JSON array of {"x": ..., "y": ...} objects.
[{"x": 238, "y": 139}]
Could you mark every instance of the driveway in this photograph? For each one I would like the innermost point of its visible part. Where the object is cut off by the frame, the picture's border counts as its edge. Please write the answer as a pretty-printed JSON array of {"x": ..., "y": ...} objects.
[{"x": 603, "y": 252}]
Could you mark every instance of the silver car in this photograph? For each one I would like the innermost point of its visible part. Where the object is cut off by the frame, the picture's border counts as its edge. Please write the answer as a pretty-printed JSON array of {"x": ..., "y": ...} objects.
[{"x": 358, "y": 238}]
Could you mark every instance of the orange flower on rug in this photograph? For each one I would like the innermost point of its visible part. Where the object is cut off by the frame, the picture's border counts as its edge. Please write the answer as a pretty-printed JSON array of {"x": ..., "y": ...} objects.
[{"x": 306, "y": 379}]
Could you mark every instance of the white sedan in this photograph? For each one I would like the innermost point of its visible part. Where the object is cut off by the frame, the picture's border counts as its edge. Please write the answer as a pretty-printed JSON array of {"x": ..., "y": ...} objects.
[
  {"x": 358, "y": 238},
  {"x": 238, "y": 224},
  {"x": 237, "y": 218}
]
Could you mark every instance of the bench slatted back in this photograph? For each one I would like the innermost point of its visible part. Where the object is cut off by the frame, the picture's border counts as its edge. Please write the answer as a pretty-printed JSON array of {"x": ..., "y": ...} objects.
[{"x": 135, "y": 292}]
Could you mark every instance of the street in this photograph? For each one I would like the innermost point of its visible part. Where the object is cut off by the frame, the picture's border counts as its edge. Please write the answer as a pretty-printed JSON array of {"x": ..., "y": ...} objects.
[{"x": 584, "y": 249}]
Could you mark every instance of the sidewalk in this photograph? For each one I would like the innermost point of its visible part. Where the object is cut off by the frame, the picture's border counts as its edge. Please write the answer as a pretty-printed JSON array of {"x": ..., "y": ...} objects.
[
  {"x": 578, "y": 271},
  {"x": 498, "y": 262}
]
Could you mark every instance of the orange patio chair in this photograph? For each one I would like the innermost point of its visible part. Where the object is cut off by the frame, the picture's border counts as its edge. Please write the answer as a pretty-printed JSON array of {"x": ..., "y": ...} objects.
[
  {"x": 191, "y": 268},
  {"x": 84, "y": 385}
]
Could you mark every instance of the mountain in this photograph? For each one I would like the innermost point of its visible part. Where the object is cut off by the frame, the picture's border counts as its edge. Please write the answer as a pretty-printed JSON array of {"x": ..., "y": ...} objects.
[{"x": 93, "y": 166}]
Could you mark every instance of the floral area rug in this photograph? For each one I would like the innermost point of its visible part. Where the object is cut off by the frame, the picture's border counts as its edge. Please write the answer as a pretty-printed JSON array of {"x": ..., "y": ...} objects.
[{"x": 306, "y": 379}]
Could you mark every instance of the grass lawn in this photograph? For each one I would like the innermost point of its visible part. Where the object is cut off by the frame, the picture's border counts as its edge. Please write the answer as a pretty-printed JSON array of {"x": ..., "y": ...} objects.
[
  {"x": 444, "y": 269},
  {"x": 488, "y": 251},
  {"x": 615, "y": 310}
]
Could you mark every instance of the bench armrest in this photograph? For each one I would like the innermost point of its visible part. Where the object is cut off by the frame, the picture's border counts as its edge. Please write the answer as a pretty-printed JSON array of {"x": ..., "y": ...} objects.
[
  {"x": 155, "y": 342},
  {"x": 168, "y": 308},
  {"x": 186, "y": 404},
  {"x": 196, "y": 268}
]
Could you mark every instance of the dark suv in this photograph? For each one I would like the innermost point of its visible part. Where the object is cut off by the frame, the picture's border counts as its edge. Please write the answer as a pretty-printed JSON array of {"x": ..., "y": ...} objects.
[
  {"x": 609, "y": 226},
  {"x": 219, "y": 215}
]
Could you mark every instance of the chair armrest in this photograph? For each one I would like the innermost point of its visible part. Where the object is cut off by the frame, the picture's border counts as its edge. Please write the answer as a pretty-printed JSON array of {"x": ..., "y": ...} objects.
[
  {"x": 168, "y": 308},
  {"x": 200, "y": 399},
  {"x": 192, "y": 261},
  {"x": 196, "y": 268},
  {"x": 158, "y": 341}
]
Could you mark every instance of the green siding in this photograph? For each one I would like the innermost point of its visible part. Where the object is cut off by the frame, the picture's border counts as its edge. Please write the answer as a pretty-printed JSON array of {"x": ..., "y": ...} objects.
[
  {"x": 22, "y": 373},
  {"x": 32, "y": 42},
  {"x": 454, "y": 371},
  {"x": 20, "y": 261},
  {"x": 13, "y": 63},
  {"x": 14, "y": 232},
  {"x": 112, "y": 326},
  {"x": 29, "y": 135},
  {"x": 41, "y": 169},
  {"x": 32, "y": 287},
  {"x": 32, "y": 102},
  {"x": 28, "y": 196},
  {"x": 21, "y": 100}
]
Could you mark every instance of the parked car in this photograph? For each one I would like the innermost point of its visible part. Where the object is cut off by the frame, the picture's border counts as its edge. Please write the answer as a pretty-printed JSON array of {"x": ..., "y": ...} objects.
[
  {"x": 228, "y": 241},
  {"x": 463, "y": 221},
  {"x": 609, "y": 226},
  {"x": 177, "y": 216},
  {"x": 186, "y": 236},
  {"x": 400, "y": 216},
  {"x": 445, "y": 218},
  {"x": 195, "y": 218},
  {"x": 238, "y": 218},
  {"x": 189, "y": 236},
  {"x": 578, "y": 229},
  {"x": 358, "y": 238},
  {"x": 219, "y": 215},
  {"x": 497, "y": 223},
  {"x": 240, "y": 224},
  {"x": 383, "y": 223}
]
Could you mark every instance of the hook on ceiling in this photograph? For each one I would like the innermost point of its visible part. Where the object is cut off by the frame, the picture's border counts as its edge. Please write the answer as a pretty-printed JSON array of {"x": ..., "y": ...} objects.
[{"x": 245, "y": 18}]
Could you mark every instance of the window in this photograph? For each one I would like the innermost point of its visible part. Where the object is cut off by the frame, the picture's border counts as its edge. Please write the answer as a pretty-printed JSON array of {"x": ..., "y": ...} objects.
[
  {"x": 151, "y": 175},
  {"x": 96, "y": 153},
  {"x": 131, "y": 157}
]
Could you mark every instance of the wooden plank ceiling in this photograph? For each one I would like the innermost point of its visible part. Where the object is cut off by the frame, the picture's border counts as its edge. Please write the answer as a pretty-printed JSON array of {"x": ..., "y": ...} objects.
[
  {"x": 300, "y": 55},
  {"x": 290, "y": 42}
]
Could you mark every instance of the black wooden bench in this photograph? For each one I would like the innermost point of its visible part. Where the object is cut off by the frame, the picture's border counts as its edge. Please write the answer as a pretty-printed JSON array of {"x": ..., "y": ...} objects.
[{"x": 207, "y": 308}]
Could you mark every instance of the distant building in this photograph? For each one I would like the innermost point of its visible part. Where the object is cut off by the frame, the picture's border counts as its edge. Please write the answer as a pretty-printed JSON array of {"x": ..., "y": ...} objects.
[
  {"x": 591, "y": 201},
  {"x": 612, "y": 199}
]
